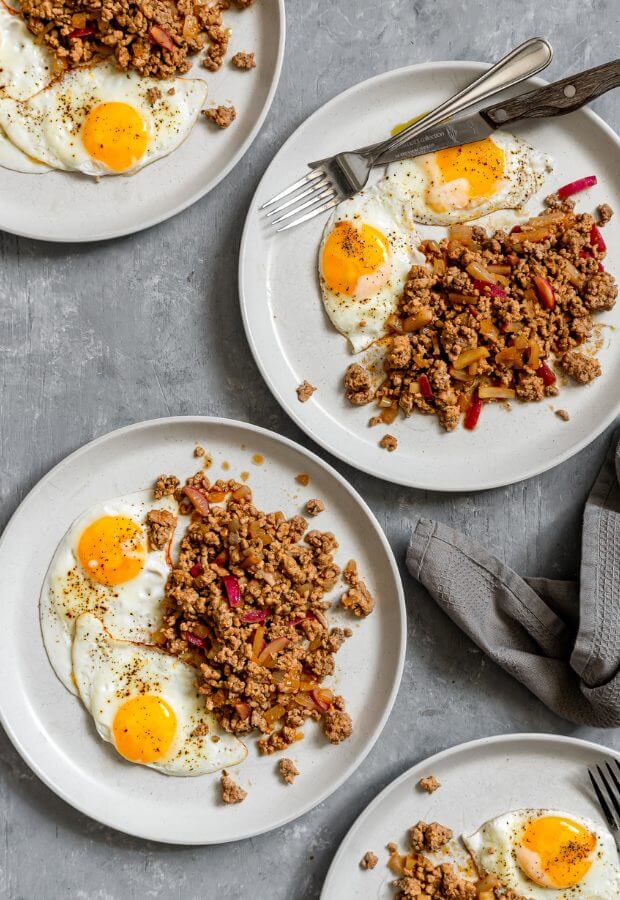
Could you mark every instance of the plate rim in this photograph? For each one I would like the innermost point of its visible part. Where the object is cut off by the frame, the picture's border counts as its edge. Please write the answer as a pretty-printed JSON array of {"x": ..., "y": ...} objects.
[
  {"x": 288, "y": 406},
  {"x": 144, "y": 833},
  {"x": 205, "y": 189},
  {"x": 528, "y": 736}
]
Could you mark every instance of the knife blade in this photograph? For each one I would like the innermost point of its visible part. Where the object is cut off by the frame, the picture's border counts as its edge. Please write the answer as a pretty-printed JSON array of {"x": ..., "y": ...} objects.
[{"x": 449, "y": 134}]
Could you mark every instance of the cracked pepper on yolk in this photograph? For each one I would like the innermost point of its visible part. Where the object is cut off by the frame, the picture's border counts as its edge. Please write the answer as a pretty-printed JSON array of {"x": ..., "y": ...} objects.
[
  {"x": 112, "y": 550},
  {"x": 480, "y": 164},
  {"x": 557, "y": 851},
  {"x": 350, "y": 253},
  {"x": 144, "y": 728},
  {"x": 116, "y": 135}
]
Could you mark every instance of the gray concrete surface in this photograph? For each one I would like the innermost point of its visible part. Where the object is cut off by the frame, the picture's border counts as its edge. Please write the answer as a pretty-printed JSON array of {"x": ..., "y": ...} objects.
[{"x": 98, "y": 336}]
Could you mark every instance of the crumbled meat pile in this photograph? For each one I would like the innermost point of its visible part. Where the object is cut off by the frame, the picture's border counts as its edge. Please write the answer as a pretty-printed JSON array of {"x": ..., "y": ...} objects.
[
  {"x": 245, "y": 604},
  {"x": 160, "y": 525},
  {"x": 482, "y": 320},
  {"x": 421, "y": 879},
  {"x": 154, "y": 37}
]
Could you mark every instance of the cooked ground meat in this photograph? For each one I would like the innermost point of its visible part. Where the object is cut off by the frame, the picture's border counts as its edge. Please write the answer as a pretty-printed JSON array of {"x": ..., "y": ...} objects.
[
  {"x": 154, "y": 37},
  {"x": 388, "y": 442},
  {"x": 369, "y": 860},
  {"x": 160, "y": 525},
  {"x": 288, "y": 770},
  {"x": 429, "y": 784},
  {"x": 563, "y": 414},
  {"x": 165, "y": 486},
  {"x": 431, "y": 836},
  {"x": 231, "y": 791},
  {"x": 244, "y": 60},
  {"x": 484, "y": 317},
  {"x": 245, "y": 604},
  {"x": 153, "y": 95},
  {"x": 358, "y": 598},
  {"x": 199, "y": 451},
  {"x": 304, "y": 391},
  {"x": 222, "y": 116},
  {"x": 605, "y": 212},
  {"x": 314, "y": 507}
]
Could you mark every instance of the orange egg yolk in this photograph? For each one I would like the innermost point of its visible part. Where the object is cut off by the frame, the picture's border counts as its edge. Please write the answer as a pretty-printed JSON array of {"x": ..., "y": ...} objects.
[
  {"x": 116, "y": 135},
  {"x": 556, "y": 852},
  {"x": 112, "y": 550},
  {"x": 352, "y": 253},
  {"x": 144, "y": 728},
  {"x": 480, "y": 166}
]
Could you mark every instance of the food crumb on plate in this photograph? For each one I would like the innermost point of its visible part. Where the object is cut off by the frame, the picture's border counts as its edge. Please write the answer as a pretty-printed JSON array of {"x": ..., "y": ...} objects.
[
  {"x": 429, "y": 784},
  {"x": 244, "y": 60},
  {"x": 314, "y": 507},
  {"x": 198, "y": 450},
  {"x": 304, "y": 391},
  {"x": 563, "y": 414},
  {"x": 358, "y": 598},
  {"x": 302, "y": 479},
  {"x": 288, "y": 770},
  {"x": 231, "y": 791},
  {"x": 388, "y": 442},
  {"x": 222, "y": 116},
  {"x": 369, "y": 860}
]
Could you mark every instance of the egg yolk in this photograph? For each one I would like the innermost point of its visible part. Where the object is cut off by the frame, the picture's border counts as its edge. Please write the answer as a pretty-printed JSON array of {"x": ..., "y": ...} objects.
[
  {"x": 556, "y": 852},
  {"x": 351, "y": 254},
  {"x": 144, "y": 728},
  {"x": 476, "y": 167},
  {"x": 112, "y": 550},
  {"x": 116, "y": 135}
]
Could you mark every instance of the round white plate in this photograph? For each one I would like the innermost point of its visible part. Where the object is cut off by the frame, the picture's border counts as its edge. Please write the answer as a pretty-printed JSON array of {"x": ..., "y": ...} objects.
[
  {"x": 50, "y": 728},
  {"x": 61, "y": 206},
  {"x": 292, "y": 339},
  {"x": 479, "y": 780}
]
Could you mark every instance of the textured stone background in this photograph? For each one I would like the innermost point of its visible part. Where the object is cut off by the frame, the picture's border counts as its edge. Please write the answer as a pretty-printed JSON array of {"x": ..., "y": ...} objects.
[{"x": 97, "y": 336}]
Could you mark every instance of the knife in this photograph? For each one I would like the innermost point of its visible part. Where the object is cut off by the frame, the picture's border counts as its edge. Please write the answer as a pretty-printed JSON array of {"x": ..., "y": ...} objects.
[{"x": 555, "y": 99}]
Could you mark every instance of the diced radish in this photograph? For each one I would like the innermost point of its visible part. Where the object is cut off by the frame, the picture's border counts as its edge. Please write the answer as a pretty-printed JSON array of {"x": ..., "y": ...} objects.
[
  {"x": 194, "y": 639},
  {"x": 473, "y": 413},
  {"x": 544, "y": 291},
  {"x": 81, "y": 33},
  {"x": 271, "y": 649},
  {"x": 196, "y": 570},
  {"x": 243, "y": 710},
  {"x": 425, "y": 387},
  {"x": 198, "y": 498},
  {"x": 233, "y": 591},
  {"x": 300, "y": 619},
  {"x": 491, "y": 289},
  {"x": 596, "y": 239},
  {"x": 321, "y": 698},
  {"x": 516, "y": 230},
  {"x": 255, "y": 615},
  {"x": 547, "y": 375},
  {"x": 574, "y": 187},
  {"x": 161, "y": 37}
]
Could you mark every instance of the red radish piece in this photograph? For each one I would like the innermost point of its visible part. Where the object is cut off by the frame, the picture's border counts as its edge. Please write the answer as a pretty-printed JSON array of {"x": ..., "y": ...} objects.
[
  {"x": 160, "y": 36},
  {"x": 198, "y": 498},
  {"x": 473, "y": 413},
  {"x": 233, "y": 591},
  {"x": 545, "y": 292},
  {"x": 597, "y": 240},
  {"x": 585, "y": 254},
  {"x": 242, "y": 709},
  {"x": 196, "y": 570},
  {"x": 255, "y": 615},
  {"x": 271, "y": 649},
  {"x": 490, "y": 289},
  {"x": 318, "y": 700},
  {"x": 194, "y": 639},
  {"x": 81, "y": 33},
  {"x": 567, "y": 190},
  {"x": 425, "y": 387},
  {"x": 547, "y": 375}
]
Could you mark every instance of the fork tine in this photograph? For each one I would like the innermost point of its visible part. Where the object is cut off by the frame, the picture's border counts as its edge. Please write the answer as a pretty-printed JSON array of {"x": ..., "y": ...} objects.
[
  {"x": 601, "y": 799},
  {"x": 311, "y": 214},
  {"x": 311, "y": 176},
  {"x": 613, "y": 795},
  {"x": 614, "y": 776},
  {"x": 319, "y": 185},
  {"x": 327, "y": 194}
]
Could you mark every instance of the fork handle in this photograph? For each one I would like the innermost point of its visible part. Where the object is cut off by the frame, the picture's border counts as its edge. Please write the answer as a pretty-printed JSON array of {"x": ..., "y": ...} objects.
[{"x": 558, "y": 98}]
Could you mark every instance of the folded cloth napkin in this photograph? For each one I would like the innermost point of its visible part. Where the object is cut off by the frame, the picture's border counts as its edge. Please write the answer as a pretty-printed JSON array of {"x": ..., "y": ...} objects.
[{"x": 559, "y": 639}]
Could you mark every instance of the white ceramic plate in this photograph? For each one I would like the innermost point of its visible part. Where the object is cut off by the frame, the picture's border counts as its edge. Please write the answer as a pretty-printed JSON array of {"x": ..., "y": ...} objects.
[
  {"x": 480, "y": 780},
  {"x": 51, "y": 730},
  {"x": 292, "y": 339},
  {"x": 61, "y": 206}
]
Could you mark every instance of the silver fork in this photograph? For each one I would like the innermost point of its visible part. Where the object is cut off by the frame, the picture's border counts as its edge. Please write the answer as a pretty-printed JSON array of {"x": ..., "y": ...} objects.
[
  {"x": 339, "y": 177},
  {"x": 606, "y": 783}
]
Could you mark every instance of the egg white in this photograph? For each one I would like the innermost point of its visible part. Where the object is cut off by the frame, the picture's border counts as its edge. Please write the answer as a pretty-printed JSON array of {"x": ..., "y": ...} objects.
[
  {"x": 407, "y": 182},
  {"x": 362, "y": 320},
  {"x": 47, "y": 126},
  {"x": 492, "y": 847},
  {"x": 26, "y": 67},
  {"x": 108, "y": 672},
  {"x": 131, "y": 611}
]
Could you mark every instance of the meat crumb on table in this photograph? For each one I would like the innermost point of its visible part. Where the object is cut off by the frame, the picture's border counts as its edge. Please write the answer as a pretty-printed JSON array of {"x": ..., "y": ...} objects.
[
  {"x": 244, "y": 60},
  {"x": 563, "y": 414},
  {"x": 231, "y": 791},
  {"x": 288, "y": 770},
  {"x": 388, "y": 442},
  {"x": 222, "y": 116},
  {"x": 304, "y": 391},
  {"x": 314, "y": 507},
  {"x": 429, "y": 784},
  {"x": 369, "y": 860}
]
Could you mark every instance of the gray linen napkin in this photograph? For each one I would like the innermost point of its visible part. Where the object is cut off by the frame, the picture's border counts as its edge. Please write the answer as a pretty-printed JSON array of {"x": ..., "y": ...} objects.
[{"x": 559, "y": 639}]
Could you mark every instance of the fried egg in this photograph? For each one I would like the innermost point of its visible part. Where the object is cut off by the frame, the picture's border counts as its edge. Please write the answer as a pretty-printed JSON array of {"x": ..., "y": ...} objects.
[
  {"x": 100, "y": 121},
  {"x": 104, "y": 565},
  {"x": 367, "y": 249},
  {"x": 541, "y": 853},
  {"x": 146, "y": 704},
  {"x": 459, "y": 184}
]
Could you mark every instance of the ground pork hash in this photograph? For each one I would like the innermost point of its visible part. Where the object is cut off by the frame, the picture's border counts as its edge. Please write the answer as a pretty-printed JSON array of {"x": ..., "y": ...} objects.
[
  {"x": 245, "y": 603},
  {"x": 154, "y": 37},
  {"x": 486, "y": 315}
]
